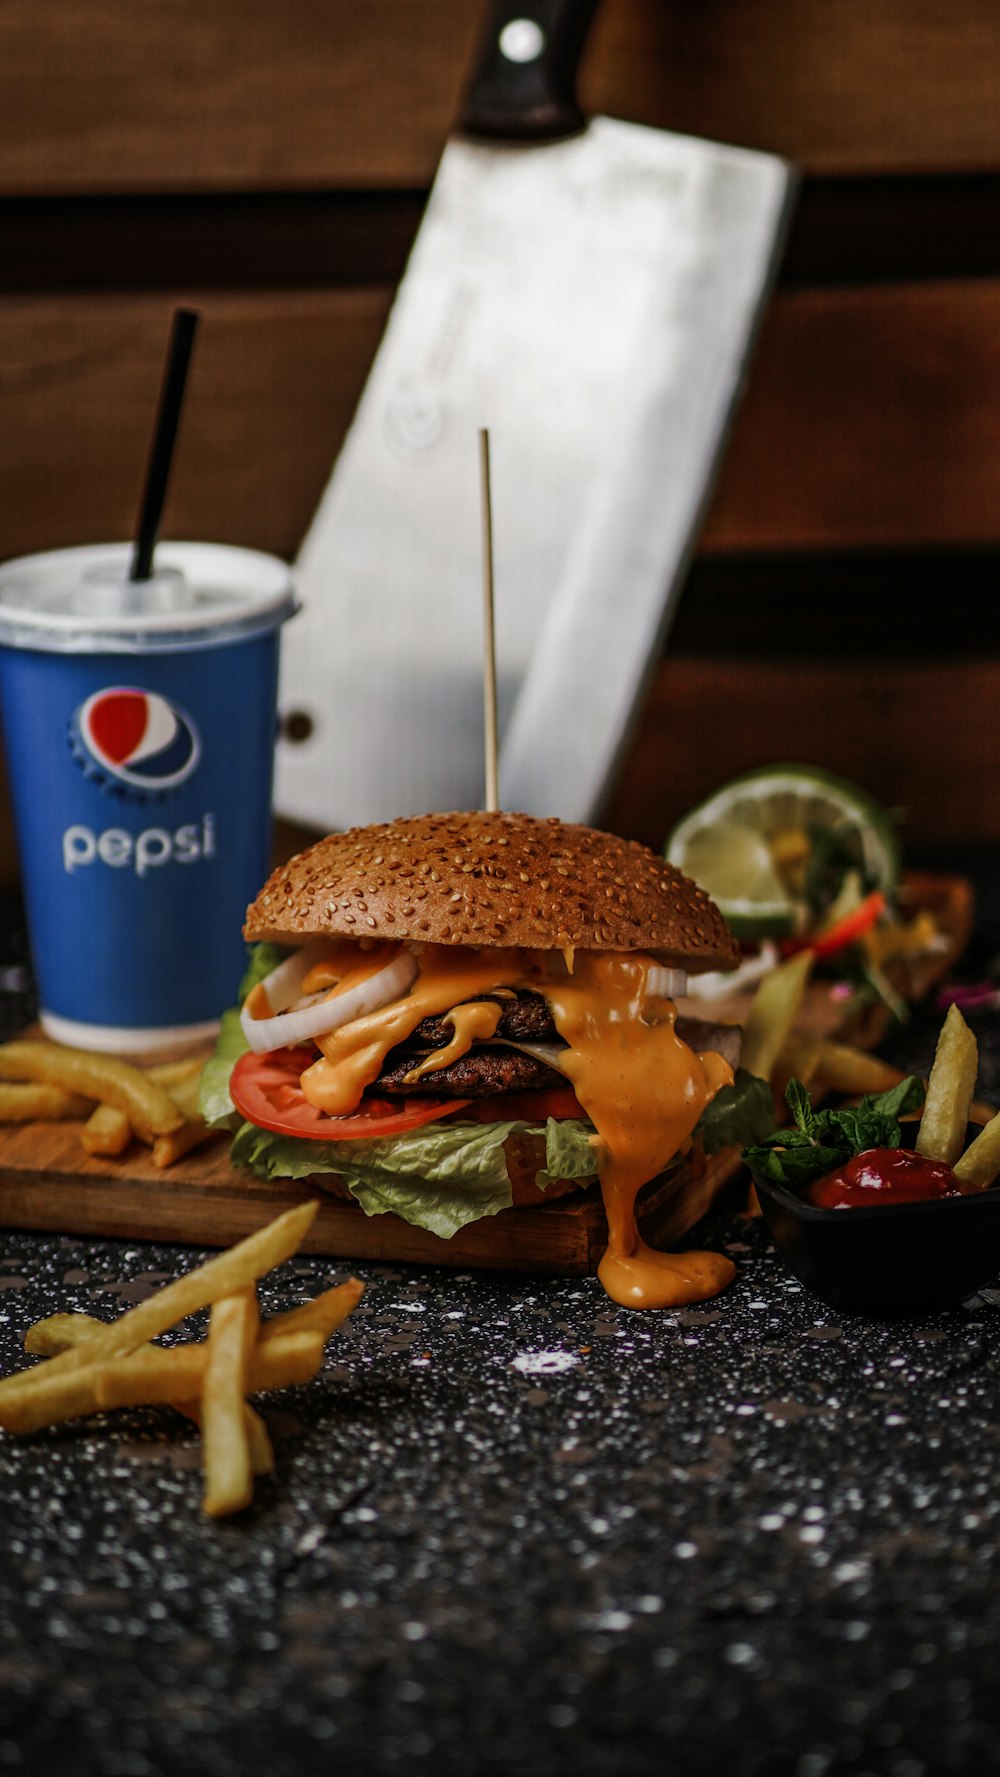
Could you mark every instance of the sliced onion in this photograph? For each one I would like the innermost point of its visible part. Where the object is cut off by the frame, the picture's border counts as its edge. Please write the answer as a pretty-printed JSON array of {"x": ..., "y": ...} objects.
[
  {"x": 317, "y": 1016},
  {"x": 283, "y": 983},
  {"x": 718, "y": 984},
  {"x": 666, "y": 984}
]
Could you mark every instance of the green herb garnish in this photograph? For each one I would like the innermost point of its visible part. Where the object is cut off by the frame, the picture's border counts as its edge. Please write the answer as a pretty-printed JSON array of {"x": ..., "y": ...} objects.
[{"x": 822, "y": 1141}]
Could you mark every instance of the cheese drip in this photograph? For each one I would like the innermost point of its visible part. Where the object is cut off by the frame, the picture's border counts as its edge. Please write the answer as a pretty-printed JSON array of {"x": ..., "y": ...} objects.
[
  {"x": 352, "y": 1057},
  {"x": 641, "y": 1086},
  {"x": 475, "y": 1022},
  {"x": 644, "y": 1090}
]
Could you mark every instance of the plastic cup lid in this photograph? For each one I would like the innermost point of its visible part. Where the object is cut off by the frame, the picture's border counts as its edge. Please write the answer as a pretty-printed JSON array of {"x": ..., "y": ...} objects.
[{"x": 81, "y": 601}]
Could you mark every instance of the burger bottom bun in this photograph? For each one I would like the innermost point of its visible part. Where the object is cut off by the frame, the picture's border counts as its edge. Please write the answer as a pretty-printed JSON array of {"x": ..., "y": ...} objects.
[{"x": 525, "y": 1157}]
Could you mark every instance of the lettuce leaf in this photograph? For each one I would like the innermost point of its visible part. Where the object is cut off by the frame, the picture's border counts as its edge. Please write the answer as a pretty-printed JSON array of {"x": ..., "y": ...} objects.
[
  {"x": 441, "y": 1176},
  {"x": 214, "y": 1101}
]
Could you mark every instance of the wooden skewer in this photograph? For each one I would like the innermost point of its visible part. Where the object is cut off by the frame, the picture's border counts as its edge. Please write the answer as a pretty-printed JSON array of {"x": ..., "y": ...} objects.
[{"x": 489, "y": 647}]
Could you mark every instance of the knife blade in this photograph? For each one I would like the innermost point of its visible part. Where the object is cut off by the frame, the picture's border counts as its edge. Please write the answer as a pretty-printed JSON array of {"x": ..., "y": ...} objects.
[{"x": 587, "y": 290}]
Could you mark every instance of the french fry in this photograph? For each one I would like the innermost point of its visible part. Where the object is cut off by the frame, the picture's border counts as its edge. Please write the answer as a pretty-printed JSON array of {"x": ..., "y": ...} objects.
[
  {"x": 980, "y": 1163},
  {"x": 226, "y": 1450},
  {"x": 36, "y": 1102},
  {"x": 153, "y": 1376},
  {"x": 222, "y": 1275},
  {"x": 324, "y": 1314},
  {"x": 69, "y": 1395},
  {"x": 950, "y": 1086},
  {"x": 59, "y": 1331},
  {"x": 773, "y": 1012},
  {"x": 165, "y": 1374},
  {"x": 106, "y": 1131},
  {"x": 192, "y": 1132},
  {"x": 101, "y": 1078},
  {"x": 846, "y": 1069},
  {"x": 258, "y": 1437},
  {"x": 184, "y": 1093},
  {"x": 799, "y": 1058},
  {"x": 174, "y": 1075}
]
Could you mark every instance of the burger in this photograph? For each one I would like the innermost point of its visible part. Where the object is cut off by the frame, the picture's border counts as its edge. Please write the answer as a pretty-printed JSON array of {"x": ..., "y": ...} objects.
[{"x": 449, "y": 1015}]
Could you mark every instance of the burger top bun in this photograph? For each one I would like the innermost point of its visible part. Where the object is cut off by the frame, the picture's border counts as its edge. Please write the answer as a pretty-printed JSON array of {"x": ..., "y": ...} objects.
[{"x": 509, "y": 880}]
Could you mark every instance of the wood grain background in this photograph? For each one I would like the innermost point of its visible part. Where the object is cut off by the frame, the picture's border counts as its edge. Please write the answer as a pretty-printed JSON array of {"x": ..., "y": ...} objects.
[{"x": 269, "y": 164}]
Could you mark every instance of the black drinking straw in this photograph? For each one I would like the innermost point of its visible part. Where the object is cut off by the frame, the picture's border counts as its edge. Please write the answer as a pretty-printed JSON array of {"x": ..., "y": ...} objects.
[{"x": 164, "y": 437}]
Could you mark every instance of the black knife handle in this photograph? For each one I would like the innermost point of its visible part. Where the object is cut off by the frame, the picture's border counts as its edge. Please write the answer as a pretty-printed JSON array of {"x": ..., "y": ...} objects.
[{"x": 524, "y": 87}]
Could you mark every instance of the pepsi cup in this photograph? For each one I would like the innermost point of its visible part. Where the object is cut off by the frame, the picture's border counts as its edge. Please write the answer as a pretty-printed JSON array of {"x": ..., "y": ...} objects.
[{"x": 138, "y": 723}]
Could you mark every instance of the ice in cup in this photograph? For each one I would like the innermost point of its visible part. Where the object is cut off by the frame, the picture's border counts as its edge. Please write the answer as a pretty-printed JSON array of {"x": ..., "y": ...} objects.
[{"x": 139, "y": 724}]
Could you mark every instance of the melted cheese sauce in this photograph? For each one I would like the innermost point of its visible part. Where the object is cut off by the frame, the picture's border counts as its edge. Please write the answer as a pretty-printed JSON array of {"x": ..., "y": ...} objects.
[
  {"x": 644, "y": 1090},
  {"x": 641, "y": 1086},
  {"x": 475, "y": 1022}
]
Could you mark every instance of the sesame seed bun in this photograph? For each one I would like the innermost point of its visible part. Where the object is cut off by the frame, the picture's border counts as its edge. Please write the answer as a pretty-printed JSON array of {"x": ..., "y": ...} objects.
[{"x": 503, "y": 880}]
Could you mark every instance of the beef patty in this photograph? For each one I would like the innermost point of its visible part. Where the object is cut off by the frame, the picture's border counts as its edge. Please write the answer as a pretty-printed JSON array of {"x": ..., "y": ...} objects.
[
  {"x": 525, "y": 1019},
  {"x": 480, "y": 1073},
  {"x": 486, "y": 1070}
]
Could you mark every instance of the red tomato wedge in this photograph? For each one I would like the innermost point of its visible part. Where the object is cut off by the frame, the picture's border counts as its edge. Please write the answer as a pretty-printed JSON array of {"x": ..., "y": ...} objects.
[
  {"x": 560, "y": 1102},
  {"x": 265, "y": 1089}
]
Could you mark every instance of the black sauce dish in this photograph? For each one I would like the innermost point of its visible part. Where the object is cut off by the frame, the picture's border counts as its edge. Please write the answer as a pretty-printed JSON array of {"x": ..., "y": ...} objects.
[{"x": 892, "y": 1260}]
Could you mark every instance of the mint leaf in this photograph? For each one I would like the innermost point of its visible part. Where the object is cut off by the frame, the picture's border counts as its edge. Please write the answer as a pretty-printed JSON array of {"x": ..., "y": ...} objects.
[
  {"x": 822, "y": 1141},
  {"x": 738, "y": 1114}
]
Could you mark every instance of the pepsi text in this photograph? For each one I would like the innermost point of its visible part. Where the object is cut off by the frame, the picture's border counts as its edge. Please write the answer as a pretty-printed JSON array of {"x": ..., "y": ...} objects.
[{"x": 150, "y": 849}]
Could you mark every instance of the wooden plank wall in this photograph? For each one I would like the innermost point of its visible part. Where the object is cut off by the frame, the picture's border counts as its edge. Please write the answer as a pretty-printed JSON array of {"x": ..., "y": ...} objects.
[{"x": 269, "y": 164}]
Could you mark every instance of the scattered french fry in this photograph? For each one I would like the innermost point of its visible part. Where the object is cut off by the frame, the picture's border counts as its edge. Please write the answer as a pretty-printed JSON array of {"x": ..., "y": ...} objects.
[
  {"x": 100, "y": 1078},
  {"x": 106, "y": 1131},
  {"x": 950, "y": 1086},
  {"x": 92, "y": 1365},
  {"x": 226, "y": 1450},
  {"x": 258, "y": 1437},
  {"x": 152, "y": 1376},
  {"x": 28, "y": 1102},
  {"x": 164, "y": 1374},
  {"x": 324, "y": 1314},
  {"x": 59, "y": 1331},
  {"x": 773, "y": 1012},
  {"x": 980, "y": 1164},
  {"x": 220, "y": 1276}
]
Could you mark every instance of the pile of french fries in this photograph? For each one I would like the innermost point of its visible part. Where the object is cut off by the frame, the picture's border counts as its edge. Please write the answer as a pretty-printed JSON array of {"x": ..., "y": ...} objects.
[
  {"x": 117, "y": 1101},
  {"x": 95, "y": 1365},
  {"x": 775, "y": 1050}
]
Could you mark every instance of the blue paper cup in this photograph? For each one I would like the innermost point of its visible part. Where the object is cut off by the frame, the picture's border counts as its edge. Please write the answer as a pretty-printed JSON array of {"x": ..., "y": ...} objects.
[{"x": 139, "y": 726}]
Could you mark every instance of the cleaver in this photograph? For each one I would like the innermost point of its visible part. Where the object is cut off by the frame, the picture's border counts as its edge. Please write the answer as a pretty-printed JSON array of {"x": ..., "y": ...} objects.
[{"x": 588, "y": 291}]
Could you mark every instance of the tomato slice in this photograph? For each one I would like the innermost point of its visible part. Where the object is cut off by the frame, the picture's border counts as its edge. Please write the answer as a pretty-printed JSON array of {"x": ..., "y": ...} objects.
[
  {"x": 265, "y": 1090},
  {"x": 560, "y": 1102}
]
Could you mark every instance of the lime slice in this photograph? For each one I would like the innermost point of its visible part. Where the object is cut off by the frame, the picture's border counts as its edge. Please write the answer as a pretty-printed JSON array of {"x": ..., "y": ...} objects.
[{"x": 732, "y": 843}]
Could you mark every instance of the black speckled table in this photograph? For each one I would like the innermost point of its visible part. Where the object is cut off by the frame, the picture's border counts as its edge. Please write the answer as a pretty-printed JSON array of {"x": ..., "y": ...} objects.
[{"x": 514, "y": 1528}]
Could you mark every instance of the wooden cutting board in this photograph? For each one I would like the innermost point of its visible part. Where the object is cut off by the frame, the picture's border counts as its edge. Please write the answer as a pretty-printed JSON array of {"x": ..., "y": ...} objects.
[{"x": 47, "y": 1182}]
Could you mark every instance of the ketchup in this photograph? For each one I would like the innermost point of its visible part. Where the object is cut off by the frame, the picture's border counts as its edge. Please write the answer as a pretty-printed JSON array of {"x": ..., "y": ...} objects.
[{"x": 883, "y": 1175}]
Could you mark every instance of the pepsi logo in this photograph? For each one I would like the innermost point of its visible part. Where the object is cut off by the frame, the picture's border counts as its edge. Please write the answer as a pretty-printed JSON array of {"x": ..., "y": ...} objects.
[{"x": 137, "y": 738}]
